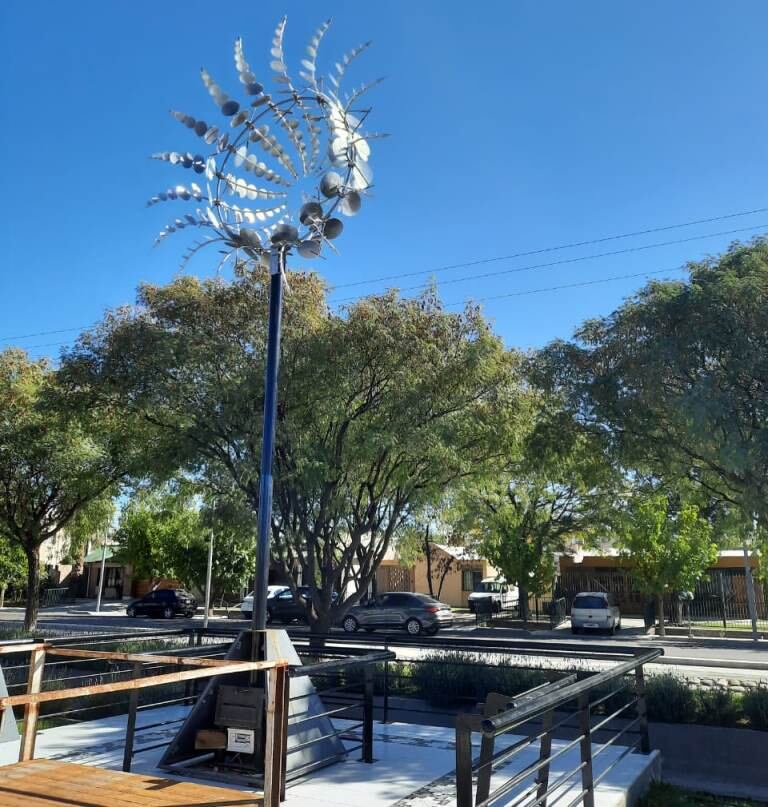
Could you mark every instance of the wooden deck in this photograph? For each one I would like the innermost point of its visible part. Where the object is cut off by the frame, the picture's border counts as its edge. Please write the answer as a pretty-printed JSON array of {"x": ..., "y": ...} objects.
[{"x": 47, "y": 783}]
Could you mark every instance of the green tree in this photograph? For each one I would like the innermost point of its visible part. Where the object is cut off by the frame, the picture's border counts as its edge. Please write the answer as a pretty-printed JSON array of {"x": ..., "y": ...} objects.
[
  {"x": 52, "y": 464},
  {"x": 381, "y": 408},
  {"x": 90, "y": 523},
  {"x": 421, "y": 538},
  {"x": 678, "y": 377},
  {"x": 13, "y": 567},
  {"x": 160, "y": 534},
  {"x": 668, "y": 544},
  {"x": 559, "y": 486}
]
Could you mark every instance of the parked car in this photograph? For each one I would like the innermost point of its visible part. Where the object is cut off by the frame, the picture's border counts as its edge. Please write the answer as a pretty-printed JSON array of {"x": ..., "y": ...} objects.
[
  {"x": 416, "y": 613},
  {"x": 246, "y": 606},
  {"x": 495, "y": 590},
  {"x": 165, "y": 603},
  {"x": 278, "y": 603},
  {"x": 595, "y": 610}
]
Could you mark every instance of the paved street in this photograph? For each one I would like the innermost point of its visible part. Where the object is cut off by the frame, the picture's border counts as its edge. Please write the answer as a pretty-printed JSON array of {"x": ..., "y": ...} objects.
[{"x": 692, "y": 653}]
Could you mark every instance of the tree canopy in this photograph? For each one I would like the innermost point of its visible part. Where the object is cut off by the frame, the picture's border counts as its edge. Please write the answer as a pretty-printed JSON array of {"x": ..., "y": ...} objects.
[
  {"x": 669, "y": 545},
  {"x": 678, "y": 377},
  {"x": 52, "y": 464},
  {"x": 558, "y": 486},
  {"x": 381, "y": 407}
]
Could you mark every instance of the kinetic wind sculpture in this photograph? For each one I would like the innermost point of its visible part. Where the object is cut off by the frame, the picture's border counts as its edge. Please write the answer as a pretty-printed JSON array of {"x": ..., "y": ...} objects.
[
  {"x": 302, "y": 141},
  {"x": 294, "y": 160}
]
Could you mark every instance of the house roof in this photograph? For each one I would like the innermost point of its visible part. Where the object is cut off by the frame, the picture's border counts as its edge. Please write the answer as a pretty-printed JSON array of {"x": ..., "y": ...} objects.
[
  {"x": 95, "y": 555},
  {"x": 459, "y": 552}
]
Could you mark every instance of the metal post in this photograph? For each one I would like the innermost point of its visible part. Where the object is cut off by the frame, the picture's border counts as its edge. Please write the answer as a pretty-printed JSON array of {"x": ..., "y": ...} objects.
[
  {"x": 130, "y": 729},
  {"x": 642, "y": 710},
  {"x": 368, "y": 714},
  {"x": 722, "y": 599},
  {"x": 385, "y": 716},
  {"x": 587, "y": 782},
  {"x": 463, "y": 762},
  {"x": 101, "y": 575},
  {"x": 750, "y": 587},
  {"x": 545, "y": 751},
  {"x": 277, "y": 259},
  {"x": 208, "y": 574}
]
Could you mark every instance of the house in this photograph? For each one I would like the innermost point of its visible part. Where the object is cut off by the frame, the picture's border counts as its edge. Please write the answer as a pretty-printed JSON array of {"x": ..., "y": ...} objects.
[
  {"x": 723, "y": 585},
  {"x": 455, "y": 573}
]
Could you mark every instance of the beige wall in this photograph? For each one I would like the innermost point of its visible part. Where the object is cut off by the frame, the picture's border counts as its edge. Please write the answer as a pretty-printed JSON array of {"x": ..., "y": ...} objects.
[{"x": 451, "y": 592}]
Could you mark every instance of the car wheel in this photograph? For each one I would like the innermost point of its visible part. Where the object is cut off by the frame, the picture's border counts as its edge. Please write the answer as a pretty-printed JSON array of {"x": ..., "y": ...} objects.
[
  {"x": 247, "y": 614},
  {"x": 613, "y": 628},
  {"x": 350, "y": 624},
  {"x": 413, "y": 627},
  {"x": 269, "y": 617},
  {"x": 618, "y": 627},
  {"x": 574, "y": 629},
  {"x": 131, "y": 611},
  {"x": 432, "y": 631},
  {"x": 167, "y": 612}
]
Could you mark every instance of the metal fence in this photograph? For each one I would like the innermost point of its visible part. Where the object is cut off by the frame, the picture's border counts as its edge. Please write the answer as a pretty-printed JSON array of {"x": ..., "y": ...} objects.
[
  {"x": 720, "y": 601},
  {"x": 540, "y": 714}
]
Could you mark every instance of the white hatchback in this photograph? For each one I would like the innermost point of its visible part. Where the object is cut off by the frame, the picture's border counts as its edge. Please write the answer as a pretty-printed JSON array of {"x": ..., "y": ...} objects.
[{"x": 595, "y": 610}]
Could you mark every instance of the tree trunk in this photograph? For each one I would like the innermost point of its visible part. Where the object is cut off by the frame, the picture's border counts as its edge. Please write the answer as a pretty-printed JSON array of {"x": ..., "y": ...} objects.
[
  {"x": 2, "y": 596},
  {"x": 523, "y": 603},
  {"x": 660, "y": 614},
  {"x": 428, "y": 557},
  {"x": 33, "y": 587}
]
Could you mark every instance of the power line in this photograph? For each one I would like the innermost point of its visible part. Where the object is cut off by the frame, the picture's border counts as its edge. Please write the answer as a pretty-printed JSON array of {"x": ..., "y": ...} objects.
[
  {"x": 479, "y": 262},
  {"x": 543, "y": 250},
  {"x": 522, "y": 293},
  {"x": 564, "y": 261},
  {"x": 564, "y": 286}
]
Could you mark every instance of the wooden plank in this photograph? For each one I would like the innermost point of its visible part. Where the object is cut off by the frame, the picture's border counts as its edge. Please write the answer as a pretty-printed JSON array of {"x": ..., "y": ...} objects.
[
  {"x": 143, "y": 683},
  {"x": 71, "y": 652},
  {"x": 64, "y": 784},
  {"x": 7, "y": 649},
  {"x": 32, "y": 709}
]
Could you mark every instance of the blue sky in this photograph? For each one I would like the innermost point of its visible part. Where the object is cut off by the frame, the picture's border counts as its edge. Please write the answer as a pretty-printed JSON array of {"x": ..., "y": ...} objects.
[{"x": 515, "y": 126}]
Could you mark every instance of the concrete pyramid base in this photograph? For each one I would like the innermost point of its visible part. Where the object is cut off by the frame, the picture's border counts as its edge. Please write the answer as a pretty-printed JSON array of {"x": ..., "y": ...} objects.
[{"x": 311, "y": 743}]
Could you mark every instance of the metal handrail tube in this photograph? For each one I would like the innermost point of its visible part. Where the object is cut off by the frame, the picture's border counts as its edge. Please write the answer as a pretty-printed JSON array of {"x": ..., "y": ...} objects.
[
  {"x": 615, "y": 737},
  {"x": 613, "y": 692},
  {"x": 342, "y": 663},
  {"x": 578, "y": 798},
  {"x": 615, "y": 714},
  {"x": 558, "y": 783},
  {"x": 628, "y": 750},
  {"x": 356, "y": 704},
  {"x": 493, "y": 726},
  {"x": 301, "y": 746},
  {"x": 534, "y": 767},
  {"x": 501, "y": 756}
]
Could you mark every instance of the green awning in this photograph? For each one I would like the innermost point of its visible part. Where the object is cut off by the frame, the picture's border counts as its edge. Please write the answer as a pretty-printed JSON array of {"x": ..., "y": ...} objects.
[{"x": 95, "y": 556}]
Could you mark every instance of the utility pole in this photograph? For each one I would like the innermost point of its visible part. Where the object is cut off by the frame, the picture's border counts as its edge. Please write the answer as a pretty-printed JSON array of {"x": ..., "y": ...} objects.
[{"x": 209, "y": 572}]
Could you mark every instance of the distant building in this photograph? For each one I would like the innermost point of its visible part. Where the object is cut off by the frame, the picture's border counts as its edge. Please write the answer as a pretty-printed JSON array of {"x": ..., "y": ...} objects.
[{"x": 463, "y": 569}]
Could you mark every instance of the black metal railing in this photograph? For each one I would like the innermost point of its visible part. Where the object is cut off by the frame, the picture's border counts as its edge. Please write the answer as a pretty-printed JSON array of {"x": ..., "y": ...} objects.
[{"x": 544, "y": 714}]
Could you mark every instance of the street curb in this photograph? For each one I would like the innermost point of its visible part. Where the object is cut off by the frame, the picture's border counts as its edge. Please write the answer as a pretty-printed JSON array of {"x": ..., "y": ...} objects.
[{"x": 726, "y": 664}]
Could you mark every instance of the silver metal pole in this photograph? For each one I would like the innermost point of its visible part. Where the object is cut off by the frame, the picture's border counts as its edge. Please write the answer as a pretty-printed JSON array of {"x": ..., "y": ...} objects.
[
  {"x": 750, "y": 586},
  {"x": 101, "y": 575},
  {"x": 208, "y": 577}
]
